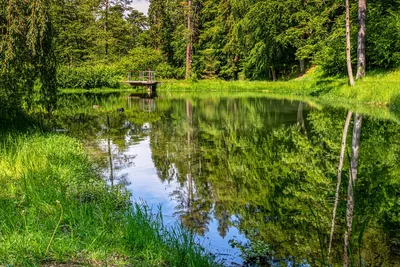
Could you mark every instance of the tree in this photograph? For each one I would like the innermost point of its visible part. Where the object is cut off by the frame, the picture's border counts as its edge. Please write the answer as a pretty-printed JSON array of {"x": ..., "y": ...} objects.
[
  {"x": 361, "y": 65},
  {"x": 265, "y": 57},
  {"x": 217, "y": 51},
  {"x": 107, "y": 4},
  {"x": 189, "y": 40},
  {"x": 138, "y": 26},
  {"x": 348, "y": 45},
  {"x": 355, "y": 149},
  {"x": 157, "y": 18},
  {"x": 339, "y": 177},
  {"x": 361, "y": 58},
  {"x": 27, "y": 54}
]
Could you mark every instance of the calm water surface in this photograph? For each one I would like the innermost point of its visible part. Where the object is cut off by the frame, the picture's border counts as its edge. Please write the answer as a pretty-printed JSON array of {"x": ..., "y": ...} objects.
[{"x": 253, "y": 177}]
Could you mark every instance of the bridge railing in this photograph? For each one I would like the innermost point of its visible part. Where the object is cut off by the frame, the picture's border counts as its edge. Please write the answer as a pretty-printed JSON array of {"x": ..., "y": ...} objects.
[{"x": 147, "y": 76}]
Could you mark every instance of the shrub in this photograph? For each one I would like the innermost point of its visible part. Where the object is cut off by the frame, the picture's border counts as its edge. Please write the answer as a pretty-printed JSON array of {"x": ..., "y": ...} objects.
[
  {"x": 97, "y": 74},
  {"x": 139, "y": 59},
  {"x": 88, "y": 77},
  {"x": 168, "y": 72}
]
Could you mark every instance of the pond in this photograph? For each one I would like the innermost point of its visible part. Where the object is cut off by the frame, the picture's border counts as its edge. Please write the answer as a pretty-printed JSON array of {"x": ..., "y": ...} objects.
[{"x": 253, "y": 177}]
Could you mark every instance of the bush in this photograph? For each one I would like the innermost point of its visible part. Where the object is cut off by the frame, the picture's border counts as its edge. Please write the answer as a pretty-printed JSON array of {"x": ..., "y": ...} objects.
[
  {"x": 96, "y": 74},
  {"x": 168, "y": 72},
  {"x": 88, "y": 77},
  {"x": 139, "y": 59},
  {"x": 383, "y": 40}
]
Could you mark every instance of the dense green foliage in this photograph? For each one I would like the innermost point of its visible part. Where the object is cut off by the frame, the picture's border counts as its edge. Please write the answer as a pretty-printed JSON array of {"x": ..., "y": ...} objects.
[
  {"x": 56, "y": 209},
  {"x": 26, "y": 55},
  {"x": 266, "y": 39},
  {"x": 88, "y": 77},
  {"x": 231, "y": 39}
]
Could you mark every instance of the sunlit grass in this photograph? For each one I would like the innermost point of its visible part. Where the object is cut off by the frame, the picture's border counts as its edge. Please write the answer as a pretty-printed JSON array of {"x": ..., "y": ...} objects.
[
  {"x": 54, "y": 208},
  {"x": 377, "y": 94}
]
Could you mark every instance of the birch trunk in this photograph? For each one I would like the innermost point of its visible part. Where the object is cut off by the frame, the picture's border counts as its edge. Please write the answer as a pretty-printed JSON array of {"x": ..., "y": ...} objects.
[
  {"x": 339, "y": 176},
  {"x": 348, "y": 44},
  {"x": 355, "y": 149},
  {"x": 362, "y": 19}
]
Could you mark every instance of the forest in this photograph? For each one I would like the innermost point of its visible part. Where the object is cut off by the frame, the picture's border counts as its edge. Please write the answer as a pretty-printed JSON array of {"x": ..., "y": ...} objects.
[
  {"x": 93, "y": 43},
  {"x": 229, "y": 39}
]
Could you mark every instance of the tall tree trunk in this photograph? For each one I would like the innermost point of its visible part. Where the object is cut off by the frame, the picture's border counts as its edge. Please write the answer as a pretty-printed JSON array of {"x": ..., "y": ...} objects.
[
  {"x": 106, "y": 27},
  {"x": 273, "y": 74},
  {"x": 348, "y": 45},
  {"x": 189, "y": 41},
  {"x": 110, "y": 158},
  {"x": 189, "y": 118},
  {"x": 355, "y": 149},
  {"x": 362, "y": 19},
  {"x": 339, "y": 176},
  {"x": 300, "y": 119},
  {"x": 189, "y": 175},
  {"x": 302, "y": 66}
]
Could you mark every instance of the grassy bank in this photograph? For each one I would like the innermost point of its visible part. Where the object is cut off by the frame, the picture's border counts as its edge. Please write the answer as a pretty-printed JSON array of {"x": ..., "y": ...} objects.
[
  {"x": 379, "y": 90},
  {"x": 54, "y": 208}
]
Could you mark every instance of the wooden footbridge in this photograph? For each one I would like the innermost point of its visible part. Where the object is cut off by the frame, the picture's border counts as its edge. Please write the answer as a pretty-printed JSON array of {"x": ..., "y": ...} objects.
[{"x": 144, "y": 78}]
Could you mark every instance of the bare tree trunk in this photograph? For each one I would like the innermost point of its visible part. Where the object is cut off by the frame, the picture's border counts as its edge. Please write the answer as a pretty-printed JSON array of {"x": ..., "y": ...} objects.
[
  {"x": 105, "y": 26},
  {"x": 189, "y": 175},
  {"x": 362, "y": 19},
  {"x": 189, "y": 117},
  {"x": 69, "y": 61},
  {"x": 355, "y": 149},
  {"x": 110, "y": 158},
  {"x": 300, "y": 118},
  {"x": 302, "y": 66},
  {"x": 348, "y": 45},
  {"x": 339, "y": 176},
  {"x": 189, "y": 42},
  {"x": 273, "y": 74}
]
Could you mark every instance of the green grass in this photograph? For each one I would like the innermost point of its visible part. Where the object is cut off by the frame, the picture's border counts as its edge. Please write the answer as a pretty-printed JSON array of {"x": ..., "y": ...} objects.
[
  {"x": 377, "y": 94},
  {"x": 54, "y": 208}
]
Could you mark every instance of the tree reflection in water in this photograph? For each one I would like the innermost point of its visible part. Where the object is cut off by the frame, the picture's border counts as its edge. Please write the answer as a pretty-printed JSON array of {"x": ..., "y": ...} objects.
[{"x": 268, "y": 168}]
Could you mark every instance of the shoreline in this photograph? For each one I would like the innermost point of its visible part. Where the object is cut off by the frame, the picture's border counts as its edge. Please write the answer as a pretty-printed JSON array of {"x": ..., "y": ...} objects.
[{"x": 57, "y": 210}]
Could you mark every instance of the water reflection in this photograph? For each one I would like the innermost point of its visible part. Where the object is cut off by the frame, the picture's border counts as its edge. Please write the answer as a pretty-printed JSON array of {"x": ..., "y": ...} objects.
[{"x": 252, "y": 172}]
